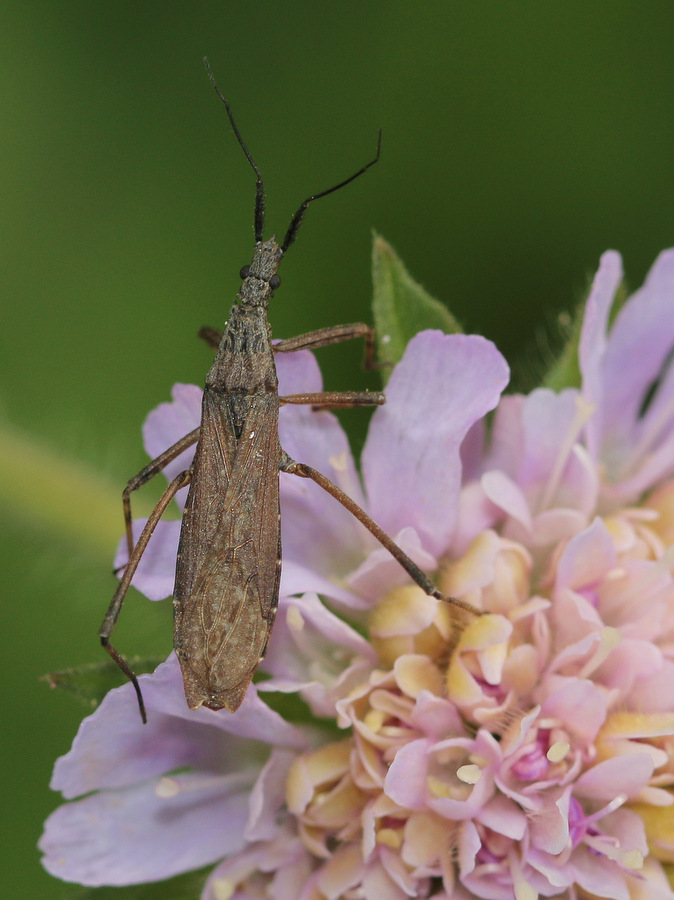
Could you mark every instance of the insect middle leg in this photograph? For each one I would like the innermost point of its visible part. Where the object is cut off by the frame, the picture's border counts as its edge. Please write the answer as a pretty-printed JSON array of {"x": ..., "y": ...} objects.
[
  {"x": 331, "y": 400},
  {"x": 336, "y": 399},
  {"x": 147, "y": 473}
]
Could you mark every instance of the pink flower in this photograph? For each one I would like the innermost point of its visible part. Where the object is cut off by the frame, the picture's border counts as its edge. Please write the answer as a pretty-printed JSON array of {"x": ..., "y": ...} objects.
[
  {"x": 524, "y": 753},
  {"x": 171, "y": 796}
]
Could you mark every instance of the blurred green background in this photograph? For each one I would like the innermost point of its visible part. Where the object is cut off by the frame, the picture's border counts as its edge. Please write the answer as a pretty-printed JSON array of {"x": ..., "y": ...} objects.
[{"x": 520, "y": 141}]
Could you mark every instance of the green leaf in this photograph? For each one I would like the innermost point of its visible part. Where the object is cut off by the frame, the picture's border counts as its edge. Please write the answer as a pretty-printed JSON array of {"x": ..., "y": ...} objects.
[
  {"x": 90, "y": 683},
  {"x": 401, "y": 307},
  {"x": 183, "y": 887},
  {"x": 564, "y": 371}
]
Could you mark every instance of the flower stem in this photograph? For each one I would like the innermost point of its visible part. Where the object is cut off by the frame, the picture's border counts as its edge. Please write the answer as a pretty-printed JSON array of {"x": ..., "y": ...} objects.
[{"x": 50, "y": 491}]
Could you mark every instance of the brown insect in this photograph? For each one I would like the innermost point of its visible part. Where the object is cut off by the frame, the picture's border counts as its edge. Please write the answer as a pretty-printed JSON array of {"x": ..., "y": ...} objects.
[{"x": 229, "y": 556}]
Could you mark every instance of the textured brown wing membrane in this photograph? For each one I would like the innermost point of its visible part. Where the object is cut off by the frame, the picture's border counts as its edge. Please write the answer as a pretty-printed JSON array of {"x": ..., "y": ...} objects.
[{"x": 227, "y": 581}]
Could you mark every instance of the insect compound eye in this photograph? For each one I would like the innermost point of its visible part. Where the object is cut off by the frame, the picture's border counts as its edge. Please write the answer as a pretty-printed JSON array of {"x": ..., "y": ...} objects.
[
  {"x": 244, "y": 273},
  {"x": 274, "y": 282}
]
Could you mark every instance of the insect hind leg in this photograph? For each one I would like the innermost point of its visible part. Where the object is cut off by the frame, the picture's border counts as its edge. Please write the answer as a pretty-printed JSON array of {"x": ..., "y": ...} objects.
[
  {"x": 110, "y": 620},
  {"x": 304, "y": 471}
]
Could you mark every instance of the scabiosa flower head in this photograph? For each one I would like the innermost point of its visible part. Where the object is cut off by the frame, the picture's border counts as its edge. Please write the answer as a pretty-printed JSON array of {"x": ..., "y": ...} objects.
[{"x": 526, "y": 752}]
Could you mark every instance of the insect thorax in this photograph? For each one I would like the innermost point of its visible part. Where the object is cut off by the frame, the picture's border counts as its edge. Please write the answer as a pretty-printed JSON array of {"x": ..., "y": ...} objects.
[{"x": 245, "y": 359}]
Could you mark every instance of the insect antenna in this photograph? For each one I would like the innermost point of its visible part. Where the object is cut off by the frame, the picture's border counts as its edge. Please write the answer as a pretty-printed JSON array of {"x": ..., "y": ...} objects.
[
  {"x": 259, "y": 192},
  {"x": 296, "y": 220}
]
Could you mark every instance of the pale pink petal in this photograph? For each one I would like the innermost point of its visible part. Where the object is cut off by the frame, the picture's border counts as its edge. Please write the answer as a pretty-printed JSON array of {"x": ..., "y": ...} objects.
[
  {"x": 598, "y": 875},
  {"x": 549, "y": 830},
  {"x": 580, "y": 486},
  {"x": 335, "y": 540},
  {"x": 436, "y": 717},
  {"x": 628, "y": 827},
  {"x": 503, "y": 816},
  {"x": 575, "y": 618},
  {"x": 298, "y": 373},
  {"x": 625, "y": 774},
  {"x": 301, "y": 579},
  {"x": 133, "y": 835},
  {"x": 169, "y": 422},
  {"x": 631, "y": 664},
  {"x": 393, "y": 865},
  {"x": 268, "y": 796},
  {"x": 642, "y": 334},
  {"x": 656, "y": 463},
  {"x": 579, "y": 705},
  {"x": 381, "y": 571},
  {"x": 507, "y": 436},
  {"x": 155, "y": 575},
  {"x": 114, "y": 749},
  {"x": 343, "y": 869},
  {"x": 379, "y": 885},
  {"x": 406, "y": 778},
  {"x": 552, "y": 425},
  {"x": 289, "y": 864},
  {"x": 593, "y": 339},
  {"x": 469, "y": 846},
  {"x": 476, "y": 514},
  {"x": 546, "y": 870},
  {"x": 460, "y": 810},
  {"x": 473, "y": 451},
  {"x": 556, "y": 525},
  {"x": 655, "y": 694},
  {"x": 302, "y": 647},
  {"x": 586, "y": 558},
  {"x": 411, "y": 461},
  {"x": 507, "y": 496}
]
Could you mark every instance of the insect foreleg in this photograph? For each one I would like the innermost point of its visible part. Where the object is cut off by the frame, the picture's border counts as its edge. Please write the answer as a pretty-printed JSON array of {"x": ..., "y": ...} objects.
[
  {"x": 312, "y": 340},
  {"x": 333, "y": 334},
  {"x": 110, "y": 620},
  {"x": 424, "y": 582}
]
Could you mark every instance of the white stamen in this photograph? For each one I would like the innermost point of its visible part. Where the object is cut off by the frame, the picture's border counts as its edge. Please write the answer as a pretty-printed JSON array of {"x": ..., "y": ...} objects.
[
  {"x": 222, "y": 888},
  {"x": 558, "y": 751},
  {"x": 524, "y": 891},
  {"x": 338, "y": 461},
  {"x": 167, "y": 787},
  {"x": 469, "y": 774},
  {"x": 606, "y": 846},
  {"x": 171, "y": 785},
  {"x": 294, "y": 619},
  {"x": 633, "y": 859}
]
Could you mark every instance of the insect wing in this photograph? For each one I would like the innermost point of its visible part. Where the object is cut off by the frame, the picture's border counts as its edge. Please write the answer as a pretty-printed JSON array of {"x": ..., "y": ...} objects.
[{"x": 229, "y": 556}]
